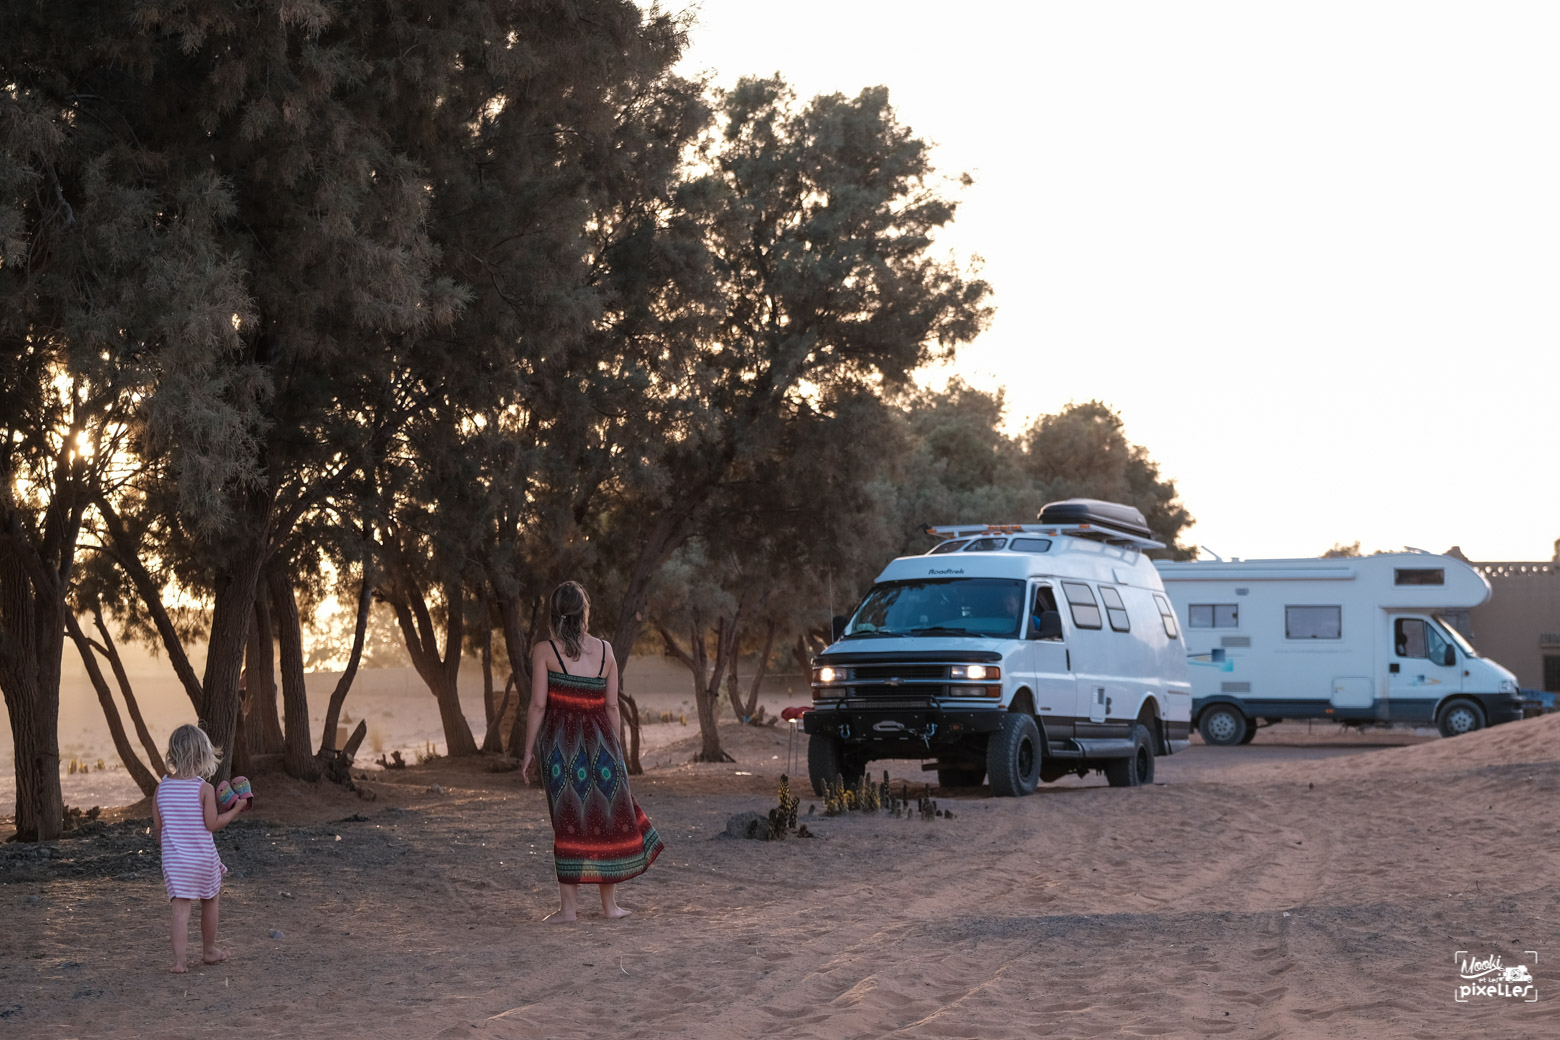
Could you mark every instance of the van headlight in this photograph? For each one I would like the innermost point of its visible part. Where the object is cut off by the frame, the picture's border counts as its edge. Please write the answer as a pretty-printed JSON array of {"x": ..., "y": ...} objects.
[
  {"x": 1508, "y": 686},
  {"x": 828, "y": 674},
  {"x": 975, "y": 671}
]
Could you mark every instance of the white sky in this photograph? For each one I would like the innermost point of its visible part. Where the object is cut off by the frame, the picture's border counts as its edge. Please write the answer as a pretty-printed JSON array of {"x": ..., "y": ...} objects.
[{"x": 1308, "y": 251}]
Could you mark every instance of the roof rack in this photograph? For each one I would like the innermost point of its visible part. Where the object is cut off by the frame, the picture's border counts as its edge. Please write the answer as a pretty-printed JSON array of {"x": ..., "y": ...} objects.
[{"x": 1093, "y": 532}]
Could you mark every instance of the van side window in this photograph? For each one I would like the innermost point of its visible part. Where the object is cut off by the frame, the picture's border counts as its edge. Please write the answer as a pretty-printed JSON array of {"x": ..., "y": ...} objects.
[
  {"x": 1213, "y": 615},
  {"x": 985, "y": 545},
  {"x": 951, "y": 545},
  {"x": 1045, "y": 599},
  {"x": 1166, "y": 615},
  {"x": 1115, "y": 609},
  {"x": 1085, "y": 612},
  {"x": 1313, "y": 622}
]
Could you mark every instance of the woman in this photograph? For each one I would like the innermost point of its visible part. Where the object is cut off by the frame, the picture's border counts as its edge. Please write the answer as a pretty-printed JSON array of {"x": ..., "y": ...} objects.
[{"x": 600, "y": 835}]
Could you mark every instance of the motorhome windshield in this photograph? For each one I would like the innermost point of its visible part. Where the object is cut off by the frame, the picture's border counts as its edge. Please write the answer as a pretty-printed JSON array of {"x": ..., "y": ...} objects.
[
  {"x": 1456, "y": 636},
  {"x": 988, "y": 607}
]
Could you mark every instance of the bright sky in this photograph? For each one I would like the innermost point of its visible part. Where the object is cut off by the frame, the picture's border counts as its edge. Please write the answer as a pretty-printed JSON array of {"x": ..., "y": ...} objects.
[{"x": 1308, "y": 251}]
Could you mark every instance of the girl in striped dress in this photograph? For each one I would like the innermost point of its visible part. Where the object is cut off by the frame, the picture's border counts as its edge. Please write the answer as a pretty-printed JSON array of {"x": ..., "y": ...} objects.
[{"x": 184, "y": 816}]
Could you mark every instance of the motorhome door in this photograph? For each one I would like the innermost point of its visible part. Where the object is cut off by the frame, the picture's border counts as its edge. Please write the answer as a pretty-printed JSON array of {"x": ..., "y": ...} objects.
[{"x": 1423, "y": 664}]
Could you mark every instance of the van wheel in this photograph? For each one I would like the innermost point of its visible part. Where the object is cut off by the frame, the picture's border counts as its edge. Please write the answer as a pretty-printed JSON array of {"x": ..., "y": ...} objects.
[
  {"x": 827, "y": 759},
  {"x": 1459, "y": 717},
  {"x": 1251, "y": 732},
  {"x": 957, "y": 777},
  {"x": 1013, "y": 756},
  {"x": 1139, "y": 768},
  {"x": 1224, "y": 725}
]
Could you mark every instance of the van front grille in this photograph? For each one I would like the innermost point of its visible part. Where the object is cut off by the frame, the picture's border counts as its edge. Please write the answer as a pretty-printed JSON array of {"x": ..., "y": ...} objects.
[
  {"x": 879, "y": 703},
  {"x": 900, "y": 671}
]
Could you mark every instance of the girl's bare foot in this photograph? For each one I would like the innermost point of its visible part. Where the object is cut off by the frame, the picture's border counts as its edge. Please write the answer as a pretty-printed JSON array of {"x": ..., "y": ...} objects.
[
  {"x": 559, "y": 917},
  {"x": 215, "y": 955},
  {"x": 178, "y": 969}
]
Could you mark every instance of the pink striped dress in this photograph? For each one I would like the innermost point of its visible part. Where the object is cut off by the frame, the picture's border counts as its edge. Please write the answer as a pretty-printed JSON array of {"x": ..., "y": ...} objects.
[{"x": 190, "y": 865}]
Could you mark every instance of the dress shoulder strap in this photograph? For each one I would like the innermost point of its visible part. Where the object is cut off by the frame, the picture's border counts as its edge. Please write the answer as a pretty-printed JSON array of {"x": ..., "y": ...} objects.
[
  {"x": 559, "y": 657},
  {"x": 603, "y": 669}
]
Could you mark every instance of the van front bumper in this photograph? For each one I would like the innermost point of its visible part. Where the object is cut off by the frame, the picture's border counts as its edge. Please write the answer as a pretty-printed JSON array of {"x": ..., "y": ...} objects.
[{"x": 901, "y": 732}]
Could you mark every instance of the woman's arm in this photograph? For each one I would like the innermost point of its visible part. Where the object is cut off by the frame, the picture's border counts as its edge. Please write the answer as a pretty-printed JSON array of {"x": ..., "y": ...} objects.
[
  {"x": 215, "y": 820},
  {"x": 533, "y": 715}
]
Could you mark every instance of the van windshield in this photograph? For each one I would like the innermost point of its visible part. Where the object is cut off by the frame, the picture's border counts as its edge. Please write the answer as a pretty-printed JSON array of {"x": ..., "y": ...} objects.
[
  {"x": 989, "y": 607},
  {"x": 1455, "y": 636}
]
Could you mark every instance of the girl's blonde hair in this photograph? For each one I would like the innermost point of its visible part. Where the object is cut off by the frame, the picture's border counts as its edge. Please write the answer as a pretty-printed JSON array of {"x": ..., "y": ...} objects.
[
  {"x": 190, "y": 752},
  {"x": 568, "y": 606}
]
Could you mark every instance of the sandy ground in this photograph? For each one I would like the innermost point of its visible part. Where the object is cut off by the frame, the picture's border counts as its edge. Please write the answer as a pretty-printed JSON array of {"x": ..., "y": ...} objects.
[{"x": 1310, "y": 885}]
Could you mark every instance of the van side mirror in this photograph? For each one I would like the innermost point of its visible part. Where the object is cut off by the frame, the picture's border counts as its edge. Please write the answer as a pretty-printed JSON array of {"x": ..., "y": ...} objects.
[
  {"x": 837, "y": 626},
  {"x": 1449, "y": 657},
  {"x": 1050, "y": 626}
]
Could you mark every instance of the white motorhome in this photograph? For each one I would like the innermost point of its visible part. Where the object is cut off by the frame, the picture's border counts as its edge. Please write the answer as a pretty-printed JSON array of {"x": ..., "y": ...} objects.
[
  {"x": 1358, "y": 640},
  {"x": 1022, "y": 652}
]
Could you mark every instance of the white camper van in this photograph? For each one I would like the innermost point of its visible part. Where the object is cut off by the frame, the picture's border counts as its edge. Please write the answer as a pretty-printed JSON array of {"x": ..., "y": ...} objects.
[
  {"x": 1022, "y": 652},
  {"x": 1356, "y": 640}
]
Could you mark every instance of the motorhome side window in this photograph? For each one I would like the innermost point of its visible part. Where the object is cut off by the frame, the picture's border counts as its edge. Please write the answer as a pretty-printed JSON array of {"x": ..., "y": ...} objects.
[
  {"x": 1412, "y": 637},
  {"x": 1313, "y": 622},
  {"x": 1419, "y": 576},
  {"x": 1166, "y": 615},
  {"x": 1085, "y": 612},
  {"x": 1213, "y": 615},
  {"x": 1115, "y": 609}
]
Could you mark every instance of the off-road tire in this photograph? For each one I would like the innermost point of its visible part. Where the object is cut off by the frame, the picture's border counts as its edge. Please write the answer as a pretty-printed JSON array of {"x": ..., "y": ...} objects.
[
  {"x": 1138, "y": 769},
  {"x": 956, "y": 776},
  {"x": 829, "y": 759},
  {"x": 1459, "y": 717},
  {"x": 1223, "y": 725},
  {"x": 1013, "y": 756}
]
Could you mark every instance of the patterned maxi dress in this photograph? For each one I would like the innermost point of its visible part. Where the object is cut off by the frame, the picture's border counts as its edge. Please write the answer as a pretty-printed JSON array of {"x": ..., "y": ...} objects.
[{"x": 600, "y": 835}]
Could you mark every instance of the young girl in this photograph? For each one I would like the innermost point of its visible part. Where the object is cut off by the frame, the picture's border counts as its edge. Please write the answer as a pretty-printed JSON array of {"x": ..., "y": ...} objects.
[
  {"x": 600, "y": 835},
  {"x": 184, "y": 816}
]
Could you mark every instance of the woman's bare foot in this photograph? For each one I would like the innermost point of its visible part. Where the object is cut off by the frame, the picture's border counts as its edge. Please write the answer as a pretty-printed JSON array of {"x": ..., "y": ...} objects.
[
  {"x": 178, "y": 969},
  {"x": 215, "y": 955},
  {"x": 559, "y": 917},
  {"x": 615, "y": 912}
]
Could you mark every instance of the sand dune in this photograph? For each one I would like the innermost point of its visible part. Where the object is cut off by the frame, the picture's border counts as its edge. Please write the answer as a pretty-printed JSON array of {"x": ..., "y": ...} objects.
[{"x": 1299, "y": 887}]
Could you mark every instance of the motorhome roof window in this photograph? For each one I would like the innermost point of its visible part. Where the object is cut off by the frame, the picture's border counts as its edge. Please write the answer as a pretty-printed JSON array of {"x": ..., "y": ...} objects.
[
  {"x": 1034, "y": 545},
  {"x": 951, "y": 545},
  {"x": 986, "y": 545},
  {"x": 1166, "y": 615},
  {"x": 1313, "y": 622},
  {"x": 1115, "y": 609},
  {"x": 1085, "y": 611},
  {"x": 1213, "y": 615},
  {"x": 1419, "y": 576}
]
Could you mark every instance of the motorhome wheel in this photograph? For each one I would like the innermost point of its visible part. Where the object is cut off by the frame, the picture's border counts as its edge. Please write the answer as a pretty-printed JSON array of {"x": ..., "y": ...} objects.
[
  {"x": 1459, "y": 717},
  {"x": 1224, "y": 725},
  {"x": 1013, "y": 756}
]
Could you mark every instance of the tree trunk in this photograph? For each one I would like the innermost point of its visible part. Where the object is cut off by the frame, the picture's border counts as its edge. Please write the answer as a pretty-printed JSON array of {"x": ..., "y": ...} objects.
[
  {"x": 116, "y": 728},
  {"x": 748, "y": 709},
  {"x": 440, "y": 671},
  {"x": 338, "y": 696},
  {"x": 518, "y": 646},
  {"x": 32, "y": 643},
  {"x": 706, "y": 687},
  {"x": 262, "y": 724},
  {"x": 231, "y": 616},
  {"x": 299, "y": 760},
  {"x": 111, "y": 651}
]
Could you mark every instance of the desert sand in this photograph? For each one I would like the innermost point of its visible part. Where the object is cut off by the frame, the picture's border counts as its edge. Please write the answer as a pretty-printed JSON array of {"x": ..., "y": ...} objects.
[{"x": 1313, "y": 884}]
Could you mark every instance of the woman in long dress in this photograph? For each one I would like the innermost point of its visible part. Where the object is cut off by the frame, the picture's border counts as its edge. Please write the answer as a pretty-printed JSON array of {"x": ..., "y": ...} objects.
[{"x": 600, "y": 834}]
